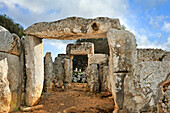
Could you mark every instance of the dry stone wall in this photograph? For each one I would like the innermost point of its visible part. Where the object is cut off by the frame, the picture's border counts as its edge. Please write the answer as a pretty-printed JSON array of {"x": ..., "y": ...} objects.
[{"x": 144, "y": 55}]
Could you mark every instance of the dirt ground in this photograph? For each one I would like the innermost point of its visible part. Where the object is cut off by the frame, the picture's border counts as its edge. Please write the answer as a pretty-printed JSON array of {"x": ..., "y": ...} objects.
[{"x": 75, "y": 100}]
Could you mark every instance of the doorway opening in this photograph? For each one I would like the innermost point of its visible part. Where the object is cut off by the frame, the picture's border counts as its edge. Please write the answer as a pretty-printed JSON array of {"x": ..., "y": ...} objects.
[{"x": 80, "y": 63}]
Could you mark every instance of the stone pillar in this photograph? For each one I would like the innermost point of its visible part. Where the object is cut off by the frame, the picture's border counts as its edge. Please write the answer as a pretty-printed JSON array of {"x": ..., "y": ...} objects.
[
  {"x": 58, "y": 70},
  {"x": 122, "y": 46},
  {"x": 5, "y": 94},
  {"x": 34, "y": 69},
  {"x": 67, "y": 73},
  {"x": 93, "y": 79},
  {"x": 48, "y": 71}
]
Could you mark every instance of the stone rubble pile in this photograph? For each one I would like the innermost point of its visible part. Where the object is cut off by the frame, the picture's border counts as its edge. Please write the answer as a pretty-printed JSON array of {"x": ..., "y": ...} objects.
[{"x": 79, "y": 77}]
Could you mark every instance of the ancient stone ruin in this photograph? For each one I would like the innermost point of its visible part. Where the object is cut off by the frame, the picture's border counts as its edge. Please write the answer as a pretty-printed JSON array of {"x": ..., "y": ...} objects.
[{"x": 138, "y": 79}]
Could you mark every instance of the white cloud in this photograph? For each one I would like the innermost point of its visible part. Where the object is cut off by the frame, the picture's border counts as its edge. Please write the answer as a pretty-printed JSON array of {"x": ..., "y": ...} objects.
[
  {"x": 143, "y": 41},
  {"x": 44, "y": 10},
  {"x": 55, "y": 46},
  {"x": 167, "y": 44},
  {"x": 155, "y": 21},
  {"x": 166, "y": 27}
]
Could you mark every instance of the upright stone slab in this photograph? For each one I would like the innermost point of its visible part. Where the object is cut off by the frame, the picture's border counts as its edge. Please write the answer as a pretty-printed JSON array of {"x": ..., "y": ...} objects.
[
  {"x": 93, "y": 81},
  {"x": 122, "y": 46},
  {"x": 67, "y": 72},
  {"x": 105, "y": 79},
  {"x": 34, "y": 69},
  {"x": 48, "y": 71},
  {"x": 58, "y": 70},
  {"x": 14, "y": 78},
  {"x": 5, "y": 94}
]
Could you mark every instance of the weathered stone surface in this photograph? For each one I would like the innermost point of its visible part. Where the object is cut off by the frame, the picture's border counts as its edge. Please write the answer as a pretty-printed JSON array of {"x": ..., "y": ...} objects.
[
  {"x": 144, "y": 55},
  {"x": 9, "y": 43},
  {"x": 105, "y": 79},
  {"x": 93, "y": 81},
  {"x": 97, "y": 58},
  {"x": 83, "y": 48},
  {"x": 73, "y": 28},
  {"x": 64, "y": 56},
  {"x": 167, "y": 57},
  {"x": 5, "y": 94},
  {"x": 23, "y": 72},
  {"x": 143, "y": 91},
  {"x": 48, "y": 71},
  {"x": 119, "y": 88},
  {"x": 104, "y": 74},
  {"x": 122, "y": 46},
  {"x": 14, "y": 78},
  {"x": 34, "y": 69},
  {"x": 58, "y": 70},
  {"x": 67, "y": 71},
  {"x": 122, "y": 58}
]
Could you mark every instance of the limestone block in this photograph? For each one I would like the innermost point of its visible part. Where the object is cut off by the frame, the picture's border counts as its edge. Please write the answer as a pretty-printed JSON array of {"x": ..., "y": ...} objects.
[
  {"x": 73, "y": 28},
  {"x": 143, "y": 90},
  {"x": 9, "y": 43},
  {"x": 5, "y": 94},
  {"x": 58, "y": 70},
  {"x": 67, "y": 71},
  {"x": 14, "y": 78},
  {"x": 34, "y": 69},
  {"x": 83, "y": 48},
  {"x": 122, "y": 46},
  {"x": 48, "y": 71},
  {"x": 93, "y": 81},
  {"x": 64, "y": 56},
  {"x": 97, "y": 58}
]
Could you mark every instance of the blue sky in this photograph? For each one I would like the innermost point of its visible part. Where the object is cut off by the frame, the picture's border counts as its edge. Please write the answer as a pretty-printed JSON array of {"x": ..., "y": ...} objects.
[{"x": 149, "y": 20}]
